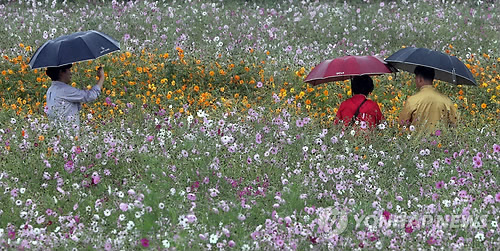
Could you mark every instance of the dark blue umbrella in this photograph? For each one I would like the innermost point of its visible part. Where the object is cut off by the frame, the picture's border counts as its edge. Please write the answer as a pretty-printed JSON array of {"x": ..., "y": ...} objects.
[
  {"x": 76, "y": 47},
  {"x": 447, "y": 68}
]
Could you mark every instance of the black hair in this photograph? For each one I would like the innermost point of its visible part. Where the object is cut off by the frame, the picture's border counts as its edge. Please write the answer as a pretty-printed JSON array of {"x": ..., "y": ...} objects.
[
  {"x": 362, "y": 85},
  {"x": 53, "y": 72},
  {"x": 426, "y": 72}
]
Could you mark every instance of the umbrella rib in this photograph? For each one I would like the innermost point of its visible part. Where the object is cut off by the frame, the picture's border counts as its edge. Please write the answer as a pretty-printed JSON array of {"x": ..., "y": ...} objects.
[{"x": 88, "y": 48}]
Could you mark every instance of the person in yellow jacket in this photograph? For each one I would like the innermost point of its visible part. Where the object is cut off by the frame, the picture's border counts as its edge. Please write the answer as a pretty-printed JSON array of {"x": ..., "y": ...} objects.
[{"x": 427, "y": 108}]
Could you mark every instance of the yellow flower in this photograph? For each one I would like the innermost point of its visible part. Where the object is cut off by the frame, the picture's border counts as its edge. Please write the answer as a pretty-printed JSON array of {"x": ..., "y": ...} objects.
[{"x": 41, "y": 137}]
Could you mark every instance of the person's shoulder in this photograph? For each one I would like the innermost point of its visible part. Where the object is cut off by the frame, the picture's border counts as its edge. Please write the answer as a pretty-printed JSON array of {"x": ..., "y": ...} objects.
[
  {"x": 443, "y": 97},
  {"x": 371, "y": 102}
]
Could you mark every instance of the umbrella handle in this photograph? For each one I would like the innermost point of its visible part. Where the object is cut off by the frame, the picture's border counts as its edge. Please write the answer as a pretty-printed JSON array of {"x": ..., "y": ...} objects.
[{"x": 454, "y": 76}]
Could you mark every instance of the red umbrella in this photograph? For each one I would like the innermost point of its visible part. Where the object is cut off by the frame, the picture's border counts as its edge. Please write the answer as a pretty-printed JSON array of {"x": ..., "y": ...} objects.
[{"x": 347, "y": 67}]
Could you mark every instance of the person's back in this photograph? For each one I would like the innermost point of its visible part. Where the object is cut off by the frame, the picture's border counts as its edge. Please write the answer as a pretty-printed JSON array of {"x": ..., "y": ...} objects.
[
  {"x": 428, "y": 108},
  {"x": 64, "y": 101},
  {"x": 358, "y": 107}
]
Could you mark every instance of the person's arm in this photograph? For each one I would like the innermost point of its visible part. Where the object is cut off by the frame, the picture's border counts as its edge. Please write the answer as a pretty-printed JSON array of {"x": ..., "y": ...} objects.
[
  {"x": 453, "y": 116},
  {"x": 100, "y": 74},
  {"x": 379, "y": 116},
  {"x": 72, "y": 94},
  {"x": 405, "y": 116}
]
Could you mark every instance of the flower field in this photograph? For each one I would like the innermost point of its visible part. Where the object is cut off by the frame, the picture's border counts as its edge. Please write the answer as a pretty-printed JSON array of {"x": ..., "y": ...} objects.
[{"x": 206, "y": 137}]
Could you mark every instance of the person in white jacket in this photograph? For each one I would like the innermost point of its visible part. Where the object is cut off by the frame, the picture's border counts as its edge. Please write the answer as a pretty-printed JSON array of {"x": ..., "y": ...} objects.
[{"x": 64, "y": 101}]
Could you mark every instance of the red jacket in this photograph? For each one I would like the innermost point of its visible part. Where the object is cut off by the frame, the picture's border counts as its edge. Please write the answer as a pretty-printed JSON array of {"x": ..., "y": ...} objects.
[{"x": 369, "y": 111}]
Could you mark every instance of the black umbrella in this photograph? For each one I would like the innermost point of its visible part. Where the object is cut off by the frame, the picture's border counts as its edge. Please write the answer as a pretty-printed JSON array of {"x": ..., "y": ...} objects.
[
  {"x": 447, "y": 68},
  {"x": 76, "y": 47}
]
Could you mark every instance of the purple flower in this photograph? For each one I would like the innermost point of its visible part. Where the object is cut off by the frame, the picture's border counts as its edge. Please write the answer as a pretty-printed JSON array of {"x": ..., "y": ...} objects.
[
  {"x": 439, "y": 184},
  {"x": 145, "y": 242},
  {"x": 299, "y": 123},
  {"x": 334, "y": 140},
  {"x": 258, "y": 138},
  {"x": 69, "y": 167},
  {"x": 123, "y": 207},
  {"x": 462, "y": 194},
  {"x": 191, "y": 196},
  {"x": 497, "y": 197},
  {"x": 496, "y": 148},
  {"x": 107, "y": 246}
]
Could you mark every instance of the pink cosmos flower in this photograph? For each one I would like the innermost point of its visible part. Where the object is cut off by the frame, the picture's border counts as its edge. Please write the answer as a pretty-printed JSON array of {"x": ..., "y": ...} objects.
[
  {"x": 191, "y": 196},
  {"x": 145, "y": 242},
  {"x": 96, "y": 179},
  {"x": 123, "y": 207},
  {"x": 408, "y": 228},
  {"x": 439, "y": 184},
  {"x": 431, "y": 241},
  {"x": 496, "y": 148},
  {"x": 107, "y": 246},
  {"x": 386, "y": 214}
]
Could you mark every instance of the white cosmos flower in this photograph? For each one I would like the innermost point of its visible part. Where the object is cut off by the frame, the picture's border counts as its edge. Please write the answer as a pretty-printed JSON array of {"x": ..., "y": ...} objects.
[
  {"x": 479, "y": 236},
  {"x": 226, "y": 139},
  {"x": 213, "y": 238},
  {"x": 130, "y": 225},
  {"x": 166, "y": 244},
  {"x": 107, "y": 212},
  {"x": 201, "y": 114}
]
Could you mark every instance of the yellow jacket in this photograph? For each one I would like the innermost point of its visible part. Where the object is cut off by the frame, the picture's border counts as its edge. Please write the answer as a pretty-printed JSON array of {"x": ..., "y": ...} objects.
[{"x": 427, "y": 108}]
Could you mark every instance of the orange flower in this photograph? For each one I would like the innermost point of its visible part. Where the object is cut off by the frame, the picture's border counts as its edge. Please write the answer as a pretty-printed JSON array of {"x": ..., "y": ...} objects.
[
  {"x": 41, "y": 137},
  {"x": 196, "y": 88},
  {"x": 308, "y": 102},
  {"x": 483, "y": 105}
]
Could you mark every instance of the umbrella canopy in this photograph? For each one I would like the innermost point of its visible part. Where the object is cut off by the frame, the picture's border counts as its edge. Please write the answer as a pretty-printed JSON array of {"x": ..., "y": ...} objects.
[
  {"x": 447, "y": 68},
  {"x": 343, "y": 68},
  {"x": 76, "y": 47}
]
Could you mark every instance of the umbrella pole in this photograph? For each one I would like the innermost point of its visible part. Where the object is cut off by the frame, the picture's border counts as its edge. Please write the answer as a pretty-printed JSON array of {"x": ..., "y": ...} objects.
[{"x": 454, "y": 76}]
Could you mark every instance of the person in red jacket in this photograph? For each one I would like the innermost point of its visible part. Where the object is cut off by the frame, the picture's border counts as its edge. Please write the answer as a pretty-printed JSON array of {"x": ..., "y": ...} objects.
[{"x": 358, "y": 107}]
